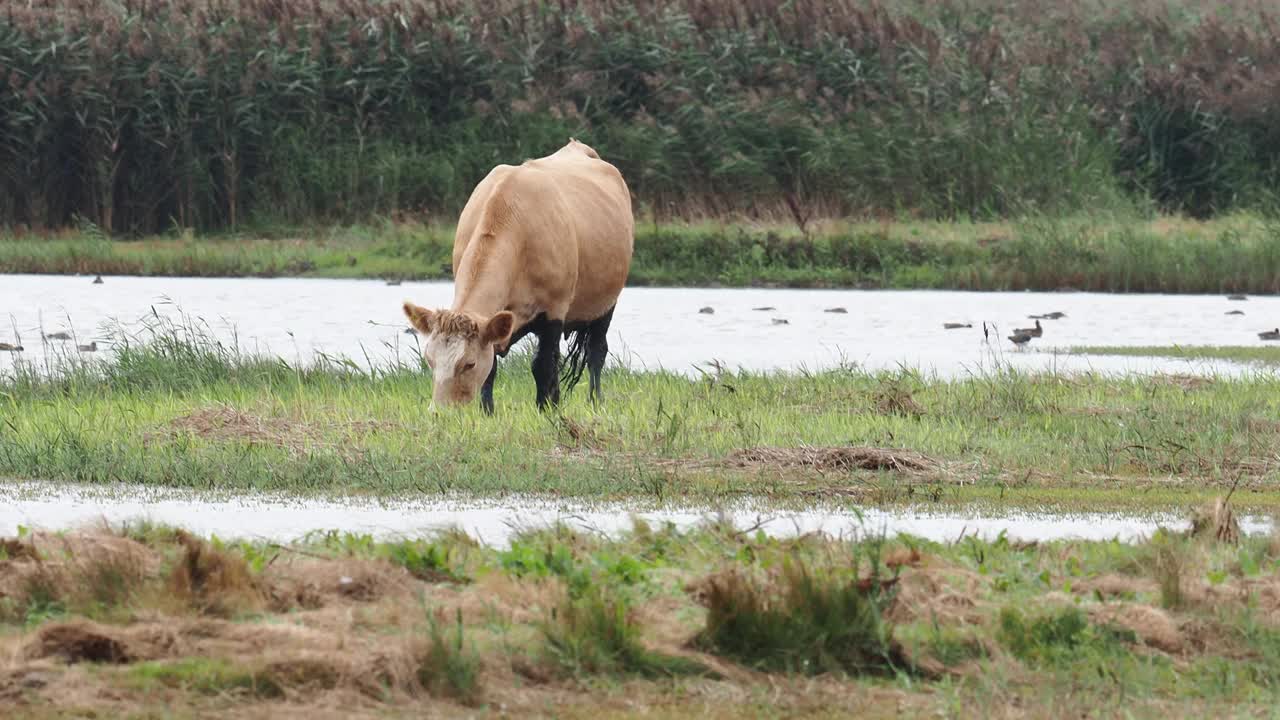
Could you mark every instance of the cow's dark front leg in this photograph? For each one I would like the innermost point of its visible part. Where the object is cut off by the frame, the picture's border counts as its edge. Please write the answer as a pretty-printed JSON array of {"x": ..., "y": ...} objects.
[
  {"x": 486, "y": 390},
  {"x": 546, "y": 363}
]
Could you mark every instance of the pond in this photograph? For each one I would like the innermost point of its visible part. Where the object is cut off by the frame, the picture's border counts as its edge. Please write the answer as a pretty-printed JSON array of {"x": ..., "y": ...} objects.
[
  {"x": 59, "y": 506},
  {"x": 659, "y": 327}
]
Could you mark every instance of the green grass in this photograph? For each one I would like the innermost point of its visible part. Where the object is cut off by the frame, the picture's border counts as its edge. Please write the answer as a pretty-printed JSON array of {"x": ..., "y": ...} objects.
[
  {"x": 181, "y": 411},
  {"x": 210, "y": 676},
  {"x": 1238, "y": 253},
  {"x": 813, "y": 620},
  {"x": 449, "y": 667},
  {"x": 1264, "y": 355}
]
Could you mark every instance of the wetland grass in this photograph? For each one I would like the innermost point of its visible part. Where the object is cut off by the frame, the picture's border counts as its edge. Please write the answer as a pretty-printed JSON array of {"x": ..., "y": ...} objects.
[
  {"x": 179, "y": 409},
  {"x": 644, "y": 620}
]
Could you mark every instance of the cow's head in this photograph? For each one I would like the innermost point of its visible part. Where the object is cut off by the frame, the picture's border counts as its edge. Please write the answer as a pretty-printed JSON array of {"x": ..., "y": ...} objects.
[{"x": 459, "y": 348}]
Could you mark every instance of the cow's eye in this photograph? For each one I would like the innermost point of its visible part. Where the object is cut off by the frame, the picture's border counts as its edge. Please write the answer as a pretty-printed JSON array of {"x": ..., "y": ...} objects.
[{"x": 468, "y": 366}]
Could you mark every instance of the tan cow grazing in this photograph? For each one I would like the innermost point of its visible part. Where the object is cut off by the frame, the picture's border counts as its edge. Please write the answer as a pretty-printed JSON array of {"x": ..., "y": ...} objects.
[{"x": 543, "y": 248}]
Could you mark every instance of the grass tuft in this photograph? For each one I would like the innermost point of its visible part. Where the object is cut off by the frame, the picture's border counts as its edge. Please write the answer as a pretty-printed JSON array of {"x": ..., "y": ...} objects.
[
  {"x": 593, "y": 632},
  {"x": 448, "y": 667},
  {"x": 811, "y": 619}
]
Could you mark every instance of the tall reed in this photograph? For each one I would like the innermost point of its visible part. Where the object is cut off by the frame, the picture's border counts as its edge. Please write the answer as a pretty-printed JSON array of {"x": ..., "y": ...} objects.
[{"x": 139, "y": 116}]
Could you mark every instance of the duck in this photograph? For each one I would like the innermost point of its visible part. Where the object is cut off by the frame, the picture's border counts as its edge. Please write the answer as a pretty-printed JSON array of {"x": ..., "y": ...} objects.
[
  {"x": 393, "y": 282},
  {"x": 781, "y": 321},
  {"x": 708, "y": 310},
  {"x": 1055, "y": 315},
  {"x": 91, "y": 347},
  {"x": 97, "y": 280},
  {"x": 1237, "y": 297},
  {"x": 1036, "y": 331},
  {"x": 765, "y": 308},
  {"x": 837, "y": 310},
  {"x": 956, "y": 326},
  {"x": 1234, "y": 312},
  {"x": 57, "y": 336},
  {"x": 6, "y": 347},
  {"x": 1270, "y": 334},
  {"x": 1020, "y": 339}
]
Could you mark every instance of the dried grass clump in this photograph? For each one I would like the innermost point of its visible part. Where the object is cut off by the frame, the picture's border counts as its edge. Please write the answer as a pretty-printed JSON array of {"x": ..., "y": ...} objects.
[
  {"x": 78, "y": 641},
  {"x": 213, "y": 580},
  {"x": 835, "y": 458},
  {"x": 93, "y": 574}
]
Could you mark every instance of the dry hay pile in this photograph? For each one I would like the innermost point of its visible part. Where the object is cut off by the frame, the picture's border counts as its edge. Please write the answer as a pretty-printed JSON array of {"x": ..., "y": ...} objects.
[
  {"x": 835, "y": 458},
  {"x": 224, "y": 423}
]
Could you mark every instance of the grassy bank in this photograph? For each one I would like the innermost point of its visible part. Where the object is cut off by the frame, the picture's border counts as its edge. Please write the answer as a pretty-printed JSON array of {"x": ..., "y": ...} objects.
[
  {"x": 713, "y": 622},
  {"x": 186, "y": 412},
  {"x": 1240, "y": 253},
  {"x": 1268, "y": 356},
  {"x": 200, "y": 114}
]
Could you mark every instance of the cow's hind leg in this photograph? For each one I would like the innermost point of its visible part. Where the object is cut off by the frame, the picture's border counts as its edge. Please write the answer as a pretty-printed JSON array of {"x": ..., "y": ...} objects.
[
  {"x": 597, "y": 352},
  {"x": 546, "y": 362}
]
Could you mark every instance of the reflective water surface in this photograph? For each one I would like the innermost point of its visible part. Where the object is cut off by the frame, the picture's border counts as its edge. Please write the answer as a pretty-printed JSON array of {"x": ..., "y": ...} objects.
[
  {"x": 263, "y": 516},
  {"x": 659, "y": 327}
]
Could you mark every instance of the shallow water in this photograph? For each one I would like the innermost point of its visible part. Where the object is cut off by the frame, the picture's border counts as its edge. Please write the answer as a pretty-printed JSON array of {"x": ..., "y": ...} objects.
[
  {"x": 276, "y": 517},
  {"x": 659, "y": 327}
]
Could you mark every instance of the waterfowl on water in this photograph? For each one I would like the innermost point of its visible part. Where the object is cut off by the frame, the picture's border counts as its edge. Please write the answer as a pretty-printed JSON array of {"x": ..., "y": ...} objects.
[
  {"x": 97, "y": 280},
  {"x": 1055, "y": 315},
  {"x": 837, "y": 310},
  {"x": 956, "y": 326},
  {"x": 781, "y": 321},
  {"x": 57, "y": 336},
  {"x": 708, "y": 310},
  {"x": 1270, "y": 334},
  {"x": 1036, "y": 331},
  {"x": 1020, "y": 339},
  {"x": 766, "y": 308},
  {"x": 6, "y": 347},
  {"x": 1237, "y": 297},
  {"x": 393, "y": 282},
  {"x": 1235, "y": 312},
  {"x": 91, "y": 347}
]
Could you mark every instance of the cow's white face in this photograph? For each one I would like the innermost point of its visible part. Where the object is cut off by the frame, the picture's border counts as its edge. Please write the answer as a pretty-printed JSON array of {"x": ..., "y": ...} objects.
[{"x": 458, "y": 347}]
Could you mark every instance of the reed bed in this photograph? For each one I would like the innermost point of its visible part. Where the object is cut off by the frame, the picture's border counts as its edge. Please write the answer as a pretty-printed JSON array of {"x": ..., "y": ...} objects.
[{"x": 138, "y": 116}]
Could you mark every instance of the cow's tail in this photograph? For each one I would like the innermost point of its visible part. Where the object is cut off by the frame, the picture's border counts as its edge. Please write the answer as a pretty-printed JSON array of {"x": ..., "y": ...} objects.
[{"x": 575, "y": 361}]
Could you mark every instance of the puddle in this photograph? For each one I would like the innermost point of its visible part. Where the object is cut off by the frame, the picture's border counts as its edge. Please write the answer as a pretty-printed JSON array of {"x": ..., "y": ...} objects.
[
  {"x": 281, "y": 518},
  {"x": 661, "y": 327}
]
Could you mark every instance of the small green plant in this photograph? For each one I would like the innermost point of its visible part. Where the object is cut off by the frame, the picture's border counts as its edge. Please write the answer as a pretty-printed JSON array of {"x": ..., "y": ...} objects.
[
  {"x": 544, "y": 557},
  {"x": 1056, "y": 636},
  {"x": 1168, "y": 564},
  {"x": 448, "y": 668},
  {"x": 425, "y": 560}
]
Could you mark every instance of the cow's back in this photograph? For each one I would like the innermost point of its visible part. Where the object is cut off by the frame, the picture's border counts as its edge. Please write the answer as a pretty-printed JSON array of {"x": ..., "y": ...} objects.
[{"x": 566, "y": 219}]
